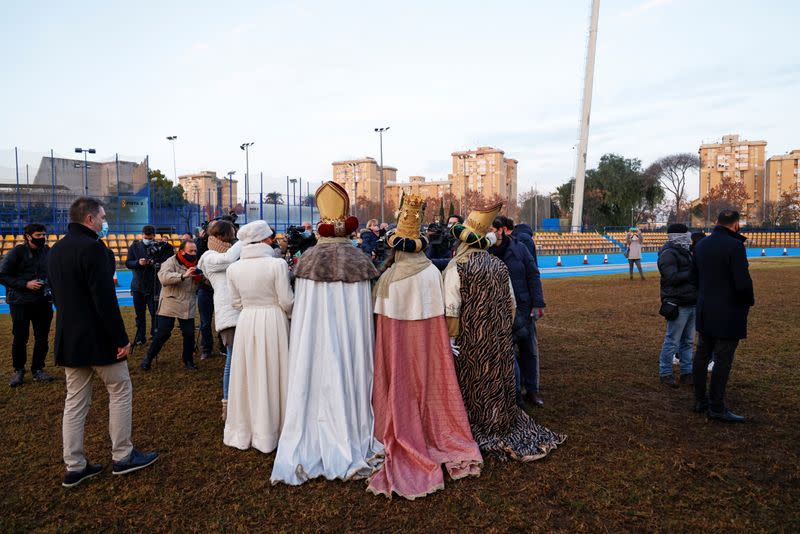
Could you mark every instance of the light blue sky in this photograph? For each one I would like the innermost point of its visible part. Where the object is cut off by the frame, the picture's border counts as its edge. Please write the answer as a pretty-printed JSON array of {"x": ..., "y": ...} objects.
[{"x": 308, "y": 81}]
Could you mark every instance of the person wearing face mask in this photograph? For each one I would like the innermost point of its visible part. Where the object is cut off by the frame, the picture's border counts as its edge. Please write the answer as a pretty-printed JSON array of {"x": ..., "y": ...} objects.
[
  {"x": 142, "y": 256},
  {"x": 480, "y": 312},
  {"x": 179, "y": 279},
  {"x": 24, "y": 273},
  {"x": 724, "y": 298},
  {"x": 90, "y": 340},
  {"x": 633, "y": 240},
  {"x": 527, "y": 284},
  {"x": 678, "y": 299}
]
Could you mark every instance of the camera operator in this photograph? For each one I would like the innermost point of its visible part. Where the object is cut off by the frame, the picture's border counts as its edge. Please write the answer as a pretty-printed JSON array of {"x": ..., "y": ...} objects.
[
  {"x": 298, "y": 240},
  {"x": 438, "y": 250},
  {"x": 24, "y": 273},
  {"x": 144, "y": 258},
  {"x": 179, "y": 278}
]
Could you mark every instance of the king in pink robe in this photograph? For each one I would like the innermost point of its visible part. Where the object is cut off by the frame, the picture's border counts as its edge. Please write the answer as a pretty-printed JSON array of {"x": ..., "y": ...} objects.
[{"x": 419, "y": 412}]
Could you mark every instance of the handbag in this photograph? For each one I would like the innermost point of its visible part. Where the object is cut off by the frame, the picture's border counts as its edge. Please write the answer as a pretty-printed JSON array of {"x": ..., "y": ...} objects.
[{"x": 668, "y": 310}]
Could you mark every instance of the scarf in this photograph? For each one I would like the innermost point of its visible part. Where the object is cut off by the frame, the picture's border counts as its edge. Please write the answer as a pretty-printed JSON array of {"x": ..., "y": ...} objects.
[
  {"x": 188, "y": 264},
  {"x": 218, "y": 245},
  {"x": 406, "y": 265},
  {"x": 683, "y": 239}
]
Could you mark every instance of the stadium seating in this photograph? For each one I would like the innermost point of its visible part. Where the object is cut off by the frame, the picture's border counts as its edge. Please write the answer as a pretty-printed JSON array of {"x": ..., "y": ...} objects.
[
  {"x": 652, "y": 241},
  {"x": 554, "y": 243}
]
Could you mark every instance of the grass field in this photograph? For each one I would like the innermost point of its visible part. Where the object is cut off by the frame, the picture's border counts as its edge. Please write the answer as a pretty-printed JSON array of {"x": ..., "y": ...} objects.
[{"x": 636, "y": 459}]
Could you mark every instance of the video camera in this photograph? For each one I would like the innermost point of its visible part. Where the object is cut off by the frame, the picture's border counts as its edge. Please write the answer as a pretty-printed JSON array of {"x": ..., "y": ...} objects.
[
  {"x": 157, "y": 252},
  {"x": 297, "y": 242},
  {"x": 435, "y": 233}
]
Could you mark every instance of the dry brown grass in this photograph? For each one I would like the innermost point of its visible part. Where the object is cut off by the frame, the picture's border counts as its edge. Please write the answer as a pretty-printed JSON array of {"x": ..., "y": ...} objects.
[{"x": 636, "y": 458}]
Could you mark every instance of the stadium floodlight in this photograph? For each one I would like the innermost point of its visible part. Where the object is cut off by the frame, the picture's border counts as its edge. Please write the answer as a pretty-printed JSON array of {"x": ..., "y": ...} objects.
[
  {"x": 246, "y": 147},
  {"x": 380, "y": 131},
  {"x": 80, "y": 150}
]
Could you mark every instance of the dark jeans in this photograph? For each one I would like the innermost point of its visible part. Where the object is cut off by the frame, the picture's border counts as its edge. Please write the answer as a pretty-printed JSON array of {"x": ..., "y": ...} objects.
[
  {"x": 164, "y": 327},
  {"x": 22, "y": 315},
  {"x": 205, "y": 305},
  {"x": 638, "y": 264},
  {"x": 142, "y": 302},
  {"x": 527, "y": 352},
  {"x": 722, "y": 350}
]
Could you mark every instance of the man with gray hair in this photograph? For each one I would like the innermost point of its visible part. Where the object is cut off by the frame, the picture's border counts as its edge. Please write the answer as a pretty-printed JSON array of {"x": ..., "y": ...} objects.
[{"x": 91, "y": 340}]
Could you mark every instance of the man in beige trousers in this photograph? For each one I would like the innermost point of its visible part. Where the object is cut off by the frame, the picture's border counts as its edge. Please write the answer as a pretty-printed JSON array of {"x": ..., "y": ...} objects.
[{"x": 91, "y": 340}]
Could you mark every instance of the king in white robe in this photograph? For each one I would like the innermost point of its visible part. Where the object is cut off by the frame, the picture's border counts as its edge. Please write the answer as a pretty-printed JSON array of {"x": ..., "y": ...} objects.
[{"x": 328, "y": 428}]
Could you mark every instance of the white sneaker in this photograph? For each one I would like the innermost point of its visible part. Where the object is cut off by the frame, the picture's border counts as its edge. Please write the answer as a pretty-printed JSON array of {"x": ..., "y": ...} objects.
[
  {"x": 711, "y": 365},
  {"x": 675, "y": 360}
]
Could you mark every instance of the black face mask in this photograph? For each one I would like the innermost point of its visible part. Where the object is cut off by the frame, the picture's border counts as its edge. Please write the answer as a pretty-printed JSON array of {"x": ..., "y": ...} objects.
[
  {"x": 38, "y": 241},
  {"x": 190, "y": 258}
]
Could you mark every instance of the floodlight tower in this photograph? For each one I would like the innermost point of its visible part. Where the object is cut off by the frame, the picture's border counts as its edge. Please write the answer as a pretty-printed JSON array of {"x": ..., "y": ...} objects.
[{"x": 580, "y": 163}]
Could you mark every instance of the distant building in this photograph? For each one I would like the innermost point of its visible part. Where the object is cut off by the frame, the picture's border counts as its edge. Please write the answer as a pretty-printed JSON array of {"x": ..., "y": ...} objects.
[
  {"x": 738, "y": 159},
  {"x": 205, "y": 189},
  {"x": 783, "y": 174},
  {"x": 416, "y": 185},
  {"x": 102, "y": 177},
  {"x": 486, "y": 171},
  {"x": 361, "y": 178}
]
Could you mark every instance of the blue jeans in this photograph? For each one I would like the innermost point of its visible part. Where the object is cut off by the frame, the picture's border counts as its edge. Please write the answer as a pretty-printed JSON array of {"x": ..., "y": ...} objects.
[
  {"x": 678, "y": 340},
  {"x": 226, "y": 374}
]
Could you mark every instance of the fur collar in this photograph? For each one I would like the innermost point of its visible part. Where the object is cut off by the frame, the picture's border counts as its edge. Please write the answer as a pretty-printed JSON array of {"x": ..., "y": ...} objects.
[{"x": 257, "y": 250}]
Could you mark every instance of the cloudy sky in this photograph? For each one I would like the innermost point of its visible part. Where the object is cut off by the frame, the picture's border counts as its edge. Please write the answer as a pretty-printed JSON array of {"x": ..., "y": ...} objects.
[{"x": 308, "y": 81}]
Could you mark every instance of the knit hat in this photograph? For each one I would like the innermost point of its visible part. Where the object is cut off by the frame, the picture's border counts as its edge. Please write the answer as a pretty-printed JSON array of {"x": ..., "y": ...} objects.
[{"x": 254, "y": 232}]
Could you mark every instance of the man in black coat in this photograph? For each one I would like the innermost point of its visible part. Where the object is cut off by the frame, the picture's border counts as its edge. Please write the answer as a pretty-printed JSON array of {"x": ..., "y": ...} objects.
[
  {"x": 91, "y": 339},
  {"x": 725, "y": 295},
  {"x": 679, "y": 293},
  {"x": 527, "y": 284},
  {"x": 143, "y": 256},
  {"x": 24, "y": 273}
]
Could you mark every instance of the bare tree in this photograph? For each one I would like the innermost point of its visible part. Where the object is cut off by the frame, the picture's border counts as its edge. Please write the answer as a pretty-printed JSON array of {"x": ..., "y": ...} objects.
[{"x": 671, "y": 172}]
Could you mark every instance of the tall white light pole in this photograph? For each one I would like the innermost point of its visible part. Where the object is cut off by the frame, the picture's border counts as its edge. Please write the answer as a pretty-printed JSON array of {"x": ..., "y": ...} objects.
[
  {"x": 246, "y": 148},
  {"x": 380, "y": 134},
  {"x": 85, "y": 151},
  {"x": 171, "y": 139},
  {"x": 580, "y": 164}
]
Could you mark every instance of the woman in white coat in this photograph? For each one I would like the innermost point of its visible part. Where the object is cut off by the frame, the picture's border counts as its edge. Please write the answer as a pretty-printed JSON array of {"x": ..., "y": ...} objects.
[
  {"x": 214, "y": 263},
  {"x": 259, "y": 287}
]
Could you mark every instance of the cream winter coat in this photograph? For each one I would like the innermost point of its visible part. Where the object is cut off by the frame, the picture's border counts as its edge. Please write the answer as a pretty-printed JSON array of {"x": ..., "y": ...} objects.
[
  {"x": 214, "y": 266},
  {"x": 259, "y": 286}
]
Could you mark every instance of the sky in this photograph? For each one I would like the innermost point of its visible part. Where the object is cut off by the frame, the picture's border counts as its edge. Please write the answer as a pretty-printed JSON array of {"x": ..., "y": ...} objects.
[{"x": 308, "y": 81}]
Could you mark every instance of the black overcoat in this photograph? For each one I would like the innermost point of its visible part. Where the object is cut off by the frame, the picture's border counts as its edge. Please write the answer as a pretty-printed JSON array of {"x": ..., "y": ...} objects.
[
  {"x": 89, "y": 326},
  {"x": 724, "y": 286}
]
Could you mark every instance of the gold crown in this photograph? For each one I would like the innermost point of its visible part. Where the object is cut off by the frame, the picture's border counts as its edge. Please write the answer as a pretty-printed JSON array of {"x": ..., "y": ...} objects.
[
  {"x": 410, "y": 217},
  {"x": 332, "y": 202},
  {"x": 479, "y": 221}
]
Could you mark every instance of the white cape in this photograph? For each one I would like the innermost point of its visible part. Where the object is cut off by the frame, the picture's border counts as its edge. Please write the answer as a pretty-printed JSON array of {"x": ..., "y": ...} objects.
[{"x": 328, "y": 428}]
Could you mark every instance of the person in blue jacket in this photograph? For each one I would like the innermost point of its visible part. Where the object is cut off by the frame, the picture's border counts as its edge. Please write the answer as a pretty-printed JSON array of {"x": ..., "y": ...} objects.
[{"x": 527, "y": 284}]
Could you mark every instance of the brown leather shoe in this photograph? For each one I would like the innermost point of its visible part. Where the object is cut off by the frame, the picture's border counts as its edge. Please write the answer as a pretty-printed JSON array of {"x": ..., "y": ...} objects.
[
  {"x": 687, "y": 379},
  {"x": 669, "y": 380}
]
